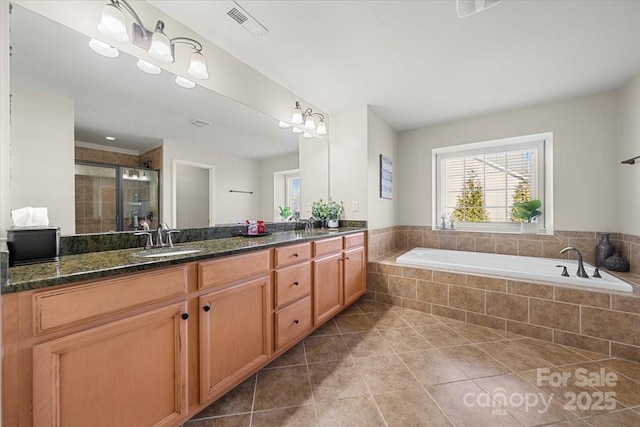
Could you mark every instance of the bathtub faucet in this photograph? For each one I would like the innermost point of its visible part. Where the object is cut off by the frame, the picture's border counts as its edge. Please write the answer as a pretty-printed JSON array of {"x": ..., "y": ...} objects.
[{"x": 581, "y": 272}]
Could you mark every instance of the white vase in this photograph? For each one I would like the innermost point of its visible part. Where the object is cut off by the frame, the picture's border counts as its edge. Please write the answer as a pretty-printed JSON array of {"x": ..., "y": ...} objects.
[
  {"x": 528, "y": 228},
  {"x": 333, "y": 224}
]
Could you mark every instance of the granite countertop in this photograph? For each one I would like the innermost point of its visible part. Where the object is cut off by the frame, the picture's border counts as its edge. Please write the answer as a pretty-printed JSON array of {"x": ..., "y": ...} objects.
[{"x": 95, "y": 265}]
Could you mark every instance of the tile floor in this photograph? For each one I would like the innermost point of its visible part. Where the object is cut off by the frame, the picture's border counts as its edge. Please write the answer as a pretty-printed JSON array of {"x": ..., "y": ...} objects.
[{"x": 380, "y": 365}]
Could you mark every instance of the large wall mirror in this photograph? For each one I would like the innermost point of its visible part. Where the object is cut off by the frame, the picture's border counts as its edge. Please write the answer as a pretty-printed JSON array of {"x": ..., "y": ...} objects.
[{"x": 66, "y": 100}]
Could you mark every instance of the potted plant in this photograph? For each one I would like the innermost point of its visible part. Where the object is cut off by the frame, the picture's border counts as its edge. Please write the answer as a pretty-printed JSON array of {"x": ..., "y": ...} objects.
[
  {"x": 285, "y": 212},
  {"x": 334, "y": 211},
  {"x": 526, "y": 213},
  {"x": 327, "y": 212}
]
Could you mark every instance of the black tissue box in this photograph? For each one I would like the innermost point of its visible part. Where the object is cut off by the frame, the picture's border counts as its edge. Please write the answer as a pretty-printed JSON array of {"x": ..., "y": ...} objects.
[{"x": 33, "y": 244}]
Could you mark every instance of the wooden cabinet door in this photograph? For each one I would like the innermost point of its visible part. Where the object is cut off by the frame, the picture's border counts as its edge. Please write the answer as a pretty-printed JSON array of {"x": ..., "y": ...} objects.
[
  {"x": 327, "y": 287},
  {"x": 234, "y": 335},
  {"x": 130, "y": 372},
  {"x": 354, "y": 271}
]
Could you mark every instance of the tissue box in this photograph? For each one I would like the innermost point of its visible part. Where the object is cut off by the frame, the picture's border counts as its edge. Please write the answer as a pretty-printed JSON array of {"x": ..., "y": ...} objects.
[{"x": 33, "y": 244}]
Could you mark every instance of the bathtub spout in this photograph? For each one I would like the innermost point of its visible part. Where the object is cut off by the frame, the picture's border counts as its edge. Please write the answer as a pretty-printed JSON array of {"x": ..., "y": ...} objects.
[{"x": 581, "y": 272}]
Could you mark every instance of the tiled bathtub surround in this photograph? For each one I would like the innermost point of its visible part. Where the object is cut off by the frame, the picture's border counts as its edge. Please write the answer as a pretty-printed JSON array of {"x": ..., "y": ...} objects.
[
  {"x": 385, "y": 240},
  {"x": 599, "y": 322}
]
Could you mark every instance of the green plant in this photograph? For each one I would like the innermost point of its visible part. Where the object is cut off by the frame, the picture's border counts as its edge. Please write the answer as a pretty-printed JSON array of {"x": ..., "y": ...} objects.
[
  {"x": 285, "y": 212},
  {"x": 330, "y": 210},
  {"x": 527, "y": 211},
  {"x": 334, "y": 210},
  {"x": 522, "y": 194}
]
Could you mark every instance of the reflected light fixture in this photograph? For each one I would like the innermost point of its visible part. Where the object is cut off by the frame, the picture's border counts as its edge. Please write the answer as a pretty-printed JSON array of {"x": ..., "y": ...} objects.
[
  {"x": 185, "y": 83},
  {"x": 307, "y": 135},
  {"x": 103, "y": 49},
  {"x": 296, "y": 130},
  {"x": 110, "y": 138},
  {"x": 308, "y": 117},
  {"x": 159, "y": 46},
  {"x": 148, "y": 67},
  {"x": 283, "y": 124}
]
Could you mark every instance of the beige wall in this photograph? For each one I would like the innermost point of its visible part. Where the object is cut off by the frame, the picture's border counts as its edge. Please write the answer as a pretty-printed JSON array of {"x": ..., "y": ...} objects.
[
  {"x": 268, "y": 210},
  {"x": 628, "y": 185},
  {"x": 585, "y": 165},
  {"x": 382, "y": 139},
  {"x": 349, "y": 162},
  {"x": 42, "y": 134},
  {"x": 231, "y": 173}
]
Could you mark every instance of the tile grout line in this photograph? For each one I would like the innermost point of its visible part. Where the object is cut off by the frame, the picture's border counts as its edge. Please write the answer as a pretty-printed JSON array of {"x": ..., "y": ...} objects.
[
  {"x": 253, "y": 401},
  {"x": 306, "y": 363}
]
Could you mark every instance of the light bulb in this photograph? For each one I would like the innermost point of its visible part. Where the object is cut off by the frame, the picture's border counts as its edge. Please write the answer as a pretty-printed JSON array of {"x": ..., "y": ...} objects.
[
  {"x": 103, "y": 49},
  {"x": 307, "y": 135},
  {"x": 198, "y": 66},
  {"x": 148, "y": 67},
  {"x": 309, "y": 123},
  {"x": 322, "y": 128},
  {"x": 296, "y": 115},
  {"x": 284, "y": 125},
  {"x": 161, "y": 47},
  {"x": 296, "y": 130},
  {"x": 112, "y": 23},
  {"x": 185, "y": 83}
]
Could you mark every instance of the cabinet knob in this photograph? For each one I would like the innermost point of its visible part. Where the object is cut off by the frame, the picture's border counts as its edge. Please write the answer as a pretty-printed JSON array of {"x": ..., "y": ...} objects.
[
  {"x": 296, "y": 321},
  {"x": 206, "y": 308},
  {"x": 296, "y": 283},
  {"x": 295, "y": 254},
  {"x": 346, "y": 258},
  {"x": 184, "y": 316}
]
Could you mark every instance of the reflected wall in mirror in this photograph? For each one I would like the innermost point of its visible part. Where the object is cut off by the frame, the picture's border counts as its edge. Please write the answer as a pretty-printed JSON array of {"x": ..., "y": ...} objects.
[
  {"x": 193, "y": 194},
  {"x": 66, "y": 99}
]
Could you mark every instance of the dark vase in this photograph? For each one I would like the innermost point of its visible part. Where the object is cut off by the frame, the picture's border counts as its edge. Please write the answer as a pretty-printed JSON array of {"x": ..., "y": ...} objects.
[
  {"x": 616, "y": 263},
  {"x": 604, "y": 250}
]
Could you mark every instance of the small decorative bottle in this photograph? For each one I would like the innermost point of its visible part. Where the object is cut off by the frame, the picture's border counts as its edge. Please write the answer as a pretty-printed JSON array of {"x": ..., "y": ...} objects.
[{"x": 604, "y": 250}]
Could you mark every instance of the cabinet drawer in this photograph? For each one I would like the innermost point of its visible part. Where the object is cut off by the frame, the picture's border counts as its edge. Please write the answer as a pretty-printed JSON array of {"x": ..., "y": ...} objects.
[
  {"x": 327, "y": 246},
  {"x": 231, "y": 269},
  {"x": 292, "y": 322},
  {"x": 65, "y": 307},
  {"x": 353, "y": 240},
  {"x": 292, "y": 283},
  {"x": 292, "y": 254}
]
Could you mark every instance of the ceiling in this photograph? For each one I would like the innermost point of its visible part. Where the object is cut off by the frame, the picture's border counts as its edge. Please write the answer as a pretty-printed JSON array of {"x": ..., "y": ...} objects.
[
  {"x": 113, "y": 98},
  {"x": 416, "y": 63}
]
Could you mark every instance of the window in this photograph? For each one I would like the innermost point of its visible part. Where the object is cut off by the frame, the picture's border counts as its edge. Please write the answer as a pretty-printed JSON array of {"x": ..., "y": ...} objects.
[
  {"x": 292, "y": 193},
  {"x": 477, "y": 184}
]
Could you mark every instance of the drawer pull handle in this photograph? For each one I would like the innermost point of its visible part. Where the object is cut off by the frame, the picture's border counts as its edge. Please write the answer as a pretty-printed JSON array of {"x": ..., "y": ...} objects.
[
  {"x": 296, "y": 283},
  {"x": 296, "y": 321},
  {"x": 206, "y": 308},
  {"x": 295, "y": 254},
  {"x": 184, "y": 316}
]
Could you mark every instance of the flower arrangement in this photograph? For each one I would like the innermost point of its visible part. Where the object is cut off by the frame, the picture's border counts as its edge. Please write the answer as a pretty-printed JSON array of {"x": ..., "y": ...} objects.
[{"x": 527, "y": 211}]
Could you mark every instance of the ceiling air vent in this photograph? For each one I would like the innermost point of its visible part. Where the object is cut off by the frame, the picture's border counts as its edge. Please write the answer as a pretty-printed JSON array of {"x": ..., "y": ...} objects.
[
  {"x": 200, "y": 123},
  {"x": 245, "y": 20}
]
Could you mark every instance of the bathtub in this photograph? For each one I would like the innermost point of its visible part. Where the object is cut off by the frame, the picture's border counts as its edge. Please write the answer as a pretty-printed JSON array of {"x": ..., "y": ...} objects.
[{"x": 512, "y": 267}]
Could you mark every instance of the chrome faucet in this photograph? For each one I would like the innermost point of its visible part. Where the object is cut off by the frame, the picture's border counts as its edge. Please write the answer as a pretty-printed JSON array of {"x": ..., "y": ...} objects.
[
  {"x": 146, "y": 232},
  {"x": 164, "y": 228},
  {"x": 308, "y": 226},
  {"x": 581, "y": 272}
]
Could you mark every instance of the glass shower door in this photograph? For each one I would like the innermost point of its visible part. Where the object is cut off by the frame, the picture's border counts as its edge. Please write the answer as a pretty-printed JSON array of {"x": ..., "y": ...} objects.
[
  {"x": 140, "y": 192},
  {"x": 96, "y": 198}
]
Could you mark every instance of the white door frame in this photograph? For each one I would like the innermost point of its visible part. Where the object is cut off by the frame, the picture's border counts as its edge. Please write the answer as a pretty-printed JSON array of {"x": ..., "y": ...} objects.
[{"x": 212, "y": 190}]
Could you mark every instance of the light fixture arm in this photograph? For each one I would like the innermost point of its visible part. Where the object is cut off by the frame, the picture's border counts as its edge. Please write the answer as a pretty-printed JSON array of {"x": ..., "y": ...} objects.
[
  {"x": 195, "y": 44},
  {"x": 309, "y": 112}
]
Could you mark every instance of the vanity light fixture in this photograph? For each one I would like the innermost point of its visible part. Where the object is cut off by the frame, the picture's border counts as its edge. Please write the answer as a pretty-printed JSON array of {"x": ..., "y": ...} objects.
[
  {"x": 283, "y": 125},
  {"x": 159, "y": 46},
  {"x": 103, "y": 49},
  {"x": 308, "y": 118},
  {"x": 185, "y": 83},
  {"x": 148, "y": 67}
]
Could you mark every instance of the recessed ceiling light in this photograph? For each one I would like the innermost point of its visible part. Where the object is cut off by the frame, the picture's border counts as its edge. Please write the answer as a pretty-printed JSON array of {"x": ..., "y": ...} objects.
[
  {"x": 284, "y": 125},
  {"x": 296, "y": 130},
  {"x": 110, "y": 138},
  {"x": 103, "y": 49},
  {"x": 148, "y": 67},
  {"x": 185, "y": 83}
]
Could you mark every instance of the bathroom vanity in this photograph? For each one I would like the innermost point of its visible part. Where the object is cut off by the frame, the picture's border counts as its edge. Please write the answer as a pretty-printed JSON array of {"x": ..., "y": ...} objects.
[{"x": 154, "y": 347}]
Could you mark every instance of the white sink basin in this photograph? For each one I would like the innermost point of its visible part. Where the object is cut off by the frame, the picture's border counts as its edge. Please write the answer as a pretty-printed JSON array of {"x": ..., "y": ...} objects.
[{"x": 162, "y": 252}]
